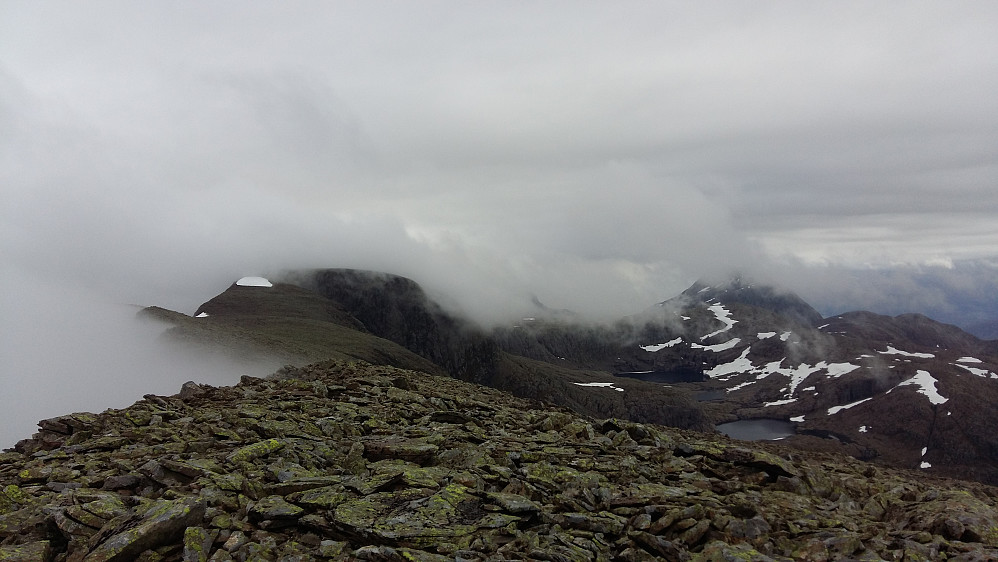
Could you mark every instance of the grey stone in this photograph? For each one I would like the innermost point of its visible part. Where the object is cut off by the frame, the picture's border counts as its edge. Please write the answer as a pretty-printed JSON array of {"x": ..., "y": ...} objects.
[{"x": 161, "y": 524}]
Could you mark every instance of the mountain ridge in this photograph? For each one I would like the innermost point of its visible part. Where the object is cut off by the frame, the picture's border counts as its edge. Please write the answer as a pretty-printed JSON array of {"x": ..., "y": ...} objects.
[
  {"x": 403, "y": 328},
  {"x": 856, "y": 383}
]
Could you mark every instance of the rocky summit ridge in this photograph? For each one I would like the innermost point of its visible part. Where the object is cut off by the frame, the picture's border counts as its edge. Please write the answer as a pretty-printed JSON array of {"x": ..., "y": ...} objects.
[
  {"x": 344, "y": 460},
  {"x": 902, "y": 391}
]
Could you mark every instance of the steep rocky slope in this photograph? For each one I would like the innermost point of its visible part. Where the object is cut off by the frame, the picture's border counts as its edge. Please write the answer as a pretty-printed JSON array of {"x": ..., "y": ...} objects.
[
  {"x": 352, "y": 461},
  {"x": 386, "y": 319},
  {"x": 397, "y": 309},
  {"x": 283, "y": 323},
  {"x": 903, "y": 391},
  {"x": 906, "y": 390}
]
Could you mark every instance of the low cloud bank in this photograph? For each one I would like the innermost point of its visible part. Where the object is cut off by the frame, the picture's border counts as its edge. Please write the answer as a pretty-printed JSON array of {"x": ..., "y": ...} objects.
[
  {"x": 178, "y": 154},
  {"x": 67, "y": 349}
]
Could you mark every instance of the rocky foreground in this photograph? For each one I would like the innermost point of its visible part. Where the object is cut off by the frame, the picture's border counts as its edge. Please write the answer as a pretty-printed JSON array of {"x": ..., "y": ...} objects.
[{"x": 350, "y": 461}]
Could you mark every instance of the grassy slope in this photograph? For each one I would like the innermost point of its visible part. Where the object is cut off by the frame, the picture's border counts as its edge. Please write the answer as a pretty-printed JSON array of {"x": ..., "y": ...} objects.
[
  {"x": 639, "y": 401},
  {"x": 286, "y": 323}
]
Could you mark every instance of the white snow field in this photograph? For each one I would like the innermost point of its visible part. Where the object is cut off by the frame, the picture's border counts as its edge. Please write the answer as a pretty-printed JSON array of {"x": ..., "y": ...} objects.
[{"x": 254, "y": 282}]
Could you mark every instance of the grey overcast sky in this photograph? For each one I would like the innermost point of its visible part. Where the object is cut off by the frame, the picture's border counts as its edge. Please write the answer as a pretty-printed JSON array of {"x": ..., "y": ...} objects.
[{"x": 599, "y": 155}]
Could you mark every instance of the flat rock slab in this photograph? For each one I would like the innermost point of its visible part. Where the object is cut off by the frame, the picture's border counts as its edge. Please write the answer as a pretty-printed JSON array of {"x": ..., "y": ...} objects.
[
  {"x": 161, "y": 524},
  {"x": 30, "y": 552},
  {"x": 412, "y": 450}
]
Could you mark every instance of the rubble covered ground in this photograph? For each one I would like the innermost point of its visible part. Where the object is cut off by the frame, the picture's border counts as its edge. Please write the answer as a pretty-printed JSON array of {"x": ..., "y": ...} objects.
[{"x": 338, "y": 461}]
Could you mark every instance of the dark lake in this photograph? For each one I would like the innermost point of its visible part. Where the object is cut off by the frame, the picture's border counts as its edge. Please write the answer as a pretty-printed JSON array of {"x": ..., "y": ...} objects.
[
  {"x": 672, "y": 376},
  {"x": 708, "y": 395},
  {"x": 757, "y": 430}
]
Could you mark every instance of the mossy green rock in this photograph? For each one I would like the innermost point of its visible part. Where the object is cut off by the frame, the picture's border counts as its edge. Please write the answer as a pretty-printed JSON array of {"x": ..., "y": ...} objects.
[
  {"x": 326, "y": 497},
  {"x": 956, "y": 515},
  {"x": 12, "y": 498},
  {"x": 274, "y": 508},
  {"x": 27, "y": 552},
  {"x": 256, "y": 450},
  {"x": 514, "y": 503},
  {"x": 163, "y": 523},
  {"x": 450, "y": 470}
]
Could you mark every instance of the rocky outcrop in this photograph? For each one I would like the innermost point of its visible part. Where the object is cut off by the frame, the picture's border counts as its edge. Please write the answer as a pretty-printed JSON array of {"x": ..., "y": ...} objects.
[
  {"x": 397, "y": 309},
  {"x": 742, "y": 291},
  {"x": 351, "y": 461},
  {"x": 281, "y": 324}
]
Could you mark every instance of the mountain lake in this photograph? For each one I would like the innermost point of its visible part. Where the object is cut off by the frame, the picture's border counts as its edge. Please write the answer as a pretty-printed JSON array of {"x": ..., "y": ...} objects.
[
  {"x": 672, "y": 376},
  {"x": 758, "y": 429}
]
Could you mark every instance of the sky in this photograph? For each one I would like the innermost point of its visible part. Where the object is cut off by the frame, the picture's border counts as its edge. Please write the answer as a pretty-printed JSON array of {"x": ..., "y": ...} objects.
[{"x": 601, "y": 156}]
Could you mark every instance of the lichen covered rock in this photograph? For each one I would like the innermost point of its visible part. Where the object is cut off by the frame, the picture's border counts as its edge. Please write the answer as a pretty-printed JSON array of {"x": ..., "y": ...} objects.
[{"x": 354, "y": 462}]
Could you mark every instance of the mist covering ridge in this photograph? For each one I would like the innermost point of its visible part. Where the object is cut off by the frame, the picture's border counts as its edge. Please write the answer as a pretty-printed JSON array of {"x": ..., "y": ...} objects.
[
  {"x": 740, "y": 289},
  {"x": 757, "y": 344},
  {"x": 491, "y": 153}
]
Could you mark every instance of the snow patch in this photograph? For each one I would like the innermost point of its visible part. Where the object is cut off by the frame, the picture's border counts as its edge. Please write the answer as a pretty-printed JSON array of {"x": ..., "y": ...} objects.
[
  {"x": 740, "y": 365},
  {"x": 979, "y": 372},
  {"x": 969, "y": 360},
  {"x": 785, "y": 336},
  {"x": 202, "y": 315},
  {"x": 891, "y": 350},
  {"x": 924, "y": 450},
  {"x": 723, "y": 315},
  {"x": 660, "y": 346},
  {"x": 797, "y": 375},
  {"x": 836, "y": 409},
  {"x": 764, "y": 335},
  {"x": 797, "y": 419},
  {"x": 862, "y": 429},
  {"x": 925, "y": 465},
  {"x": 741, "y": 386},
  {"x": 720, "y": 346},
  {"x": 836, "y": 370},
  {"x": 801, "y": 373},
  {"x": 254, "y": 282},
  {"x": 927, "y": 386},
  {"x": 600, "y": 385}
]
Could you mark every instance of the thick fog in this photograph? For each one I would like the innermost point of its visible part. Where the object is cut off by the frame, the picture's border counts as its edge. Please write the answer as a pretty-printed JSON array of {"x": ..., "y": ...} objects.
[{"x": 601, "y": 157}]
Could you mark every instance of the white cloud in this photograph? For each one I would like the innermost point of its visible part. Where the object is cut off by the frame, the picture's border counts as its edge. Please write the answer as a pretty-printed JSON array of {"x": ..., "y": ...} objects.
[{"x": 601, "y": 158}]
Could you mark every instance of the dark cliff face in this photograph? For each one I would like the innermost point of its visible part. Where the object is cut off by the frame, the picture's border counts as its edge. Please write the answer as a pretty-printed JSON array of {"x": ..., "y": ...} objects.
[
  {"x": 397, "y": 309},
  {"x": 585, "y": 346},
  {"x": 282, "y": 324},
  {"x": 284, "y": 301}
]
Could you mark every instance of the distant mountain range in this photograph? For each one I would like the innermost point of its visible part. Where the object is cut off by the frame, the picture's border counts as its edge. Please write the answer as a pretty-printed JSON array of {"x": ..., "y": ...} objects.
[{"x": 904, "y": 391}]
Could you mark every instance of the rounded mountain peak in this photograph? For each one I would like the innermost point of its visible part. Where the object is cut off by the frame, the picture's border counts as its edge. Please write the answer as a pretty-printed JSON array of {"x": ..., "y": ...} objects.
[{"x": 739, "y": 289}]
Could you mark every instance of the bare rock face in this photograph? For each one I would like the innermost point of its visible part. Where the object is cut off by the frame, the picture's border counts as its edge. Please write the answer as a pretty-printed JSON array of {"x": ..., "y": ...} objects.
[
  {"x": 349, "y": 461},
  {"x": 161, "y": 524}
]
